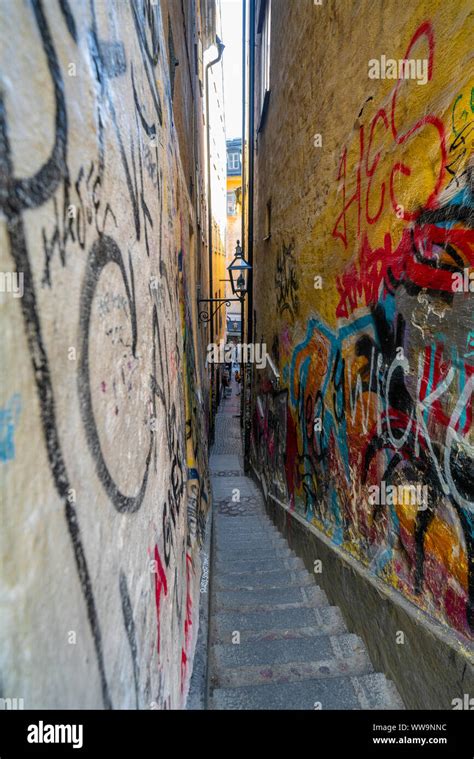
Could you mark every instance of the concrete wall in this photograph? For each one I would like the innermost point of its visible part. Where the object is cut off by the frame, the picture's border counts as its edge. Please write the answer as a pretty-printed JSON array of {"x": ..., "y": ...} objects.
[
  {"x": 103, "y": 459},
  {"x": 354, "y": 291}
]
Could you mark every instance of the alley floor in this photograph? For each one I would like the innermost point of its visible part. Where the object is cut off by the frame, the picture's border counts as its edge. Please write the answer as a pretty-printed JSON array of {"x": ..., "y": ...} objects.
[{"x": 275, "y": 640}]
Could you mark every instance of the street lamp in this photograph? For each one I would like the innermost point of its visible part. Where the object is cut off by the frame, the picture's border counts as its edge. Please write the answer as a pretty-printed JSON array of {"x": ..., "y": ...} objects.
[{"x": 239, "y": 270}]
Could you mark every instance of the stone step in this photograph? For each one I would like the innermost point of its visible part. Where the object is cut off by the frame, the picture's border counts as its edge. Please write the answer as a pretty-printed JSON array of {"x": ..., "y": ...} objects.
[
  {"x": 256, "y": 547},
  {"x": 329, "y": 621},
  {"x": 241, "y": 532},
  {"x": 255, "y": 540},
  {"x": 236, "y": 530},
  {"x": 260, "y": 566},
  {"x": 279, "y": 578},
  {"x": 285, "y": 651},
  {"x": 244, "y": 520},
  {"x": 249, "y": 522},
  {"x": 237, "y": 526},
  {"x": 220, "y": 463},
  {"x": 267, "y": 560},
  {"x": 223, "y": 487},
  {"x": 225, "y": 549},
  {"x": 256, "y": 520},
  {"x": 371, "y": 691},
  {"x": 287, "y": 619},
  {"x": 264, "y": 599},
  {"x": 356, "y": 663},
  {"x": 226, "y": 558}
]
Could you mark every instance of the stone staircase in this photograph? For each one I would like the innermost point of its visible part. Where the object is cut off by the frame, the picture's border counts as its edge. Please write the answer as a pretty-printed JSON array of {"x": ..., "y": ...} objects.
[{"x": 275, "y": 641}]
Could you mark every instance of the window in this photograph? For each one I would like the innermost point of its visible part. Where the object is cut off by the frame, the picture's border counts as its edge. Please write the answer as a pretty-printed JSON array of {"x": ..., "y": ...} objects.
[
  {"x": 264, "y": 31},
  {"x": 233, "y": 161}
]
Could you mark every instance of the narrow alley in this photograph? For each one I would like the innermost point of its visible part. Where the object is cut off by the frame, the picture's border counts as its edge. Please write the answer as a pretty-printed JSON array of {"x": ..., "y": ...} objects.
[{"x": 237, "y": 387}]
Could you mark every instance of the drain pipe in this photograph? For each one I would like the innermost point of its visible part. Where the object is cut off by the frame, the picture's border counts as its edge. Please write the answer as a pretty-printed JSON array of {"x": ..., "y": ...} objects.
[{"x": 220, "y": 49}]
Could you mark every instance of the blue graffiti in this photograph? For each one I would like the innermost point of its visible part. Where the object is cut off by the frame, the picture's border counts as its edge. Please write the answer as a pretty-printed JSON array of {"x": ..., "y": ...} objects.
[{"x": 9, "y": 415}]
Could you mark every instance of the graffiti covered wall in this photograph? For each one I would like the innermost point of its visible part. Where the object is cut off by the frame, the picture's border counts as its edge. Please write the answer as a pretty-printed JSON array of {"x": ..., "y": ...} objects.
[
  {"x": 103, "y": 466},
  {"x": 372, "y": 249}
]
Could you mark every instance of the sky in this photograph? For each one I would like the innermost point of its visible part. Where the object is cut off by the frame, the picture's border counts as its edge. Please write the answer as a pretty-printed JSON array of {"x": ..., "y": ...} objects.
[{"x": 232, "y": 61}]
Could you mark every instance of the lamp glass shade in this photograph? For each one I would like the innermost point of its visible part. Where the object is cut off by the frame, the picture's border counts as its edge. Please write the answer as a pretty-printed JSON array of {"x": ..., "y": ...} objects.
[{"x": 238, "y": 270}]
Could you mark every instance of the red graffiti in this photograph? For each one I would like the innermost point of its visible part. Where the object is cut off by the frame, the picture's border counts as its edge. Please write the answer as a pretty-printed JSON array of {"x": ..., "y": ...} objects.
[
  {"x": 366, "y": 195},
  {"x": 421, "y": 258},
  {"x": 187, "y": 622},
  {"x": 160, "y": 586}
]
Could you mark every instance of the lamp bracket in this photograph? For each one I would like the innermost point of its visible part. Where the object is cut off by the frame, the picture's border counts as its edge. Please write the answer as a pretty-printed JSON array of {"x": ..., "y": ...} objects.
[{"x": 204, "y": 315}]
